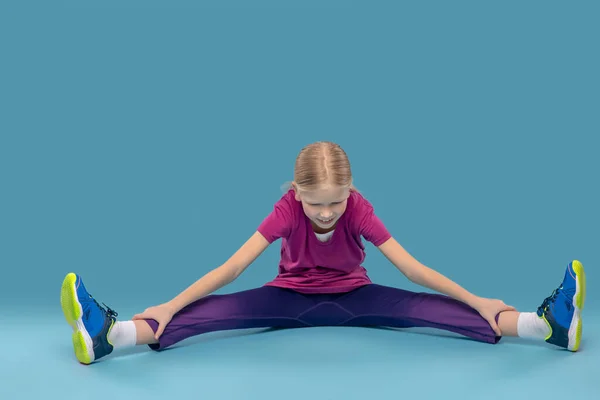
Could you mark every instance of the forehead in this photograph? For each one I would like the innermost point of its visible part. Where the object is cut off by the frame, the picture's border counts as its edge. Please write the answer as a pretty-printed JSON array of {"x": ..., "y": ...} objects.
[{"x": 330, "y": 194}]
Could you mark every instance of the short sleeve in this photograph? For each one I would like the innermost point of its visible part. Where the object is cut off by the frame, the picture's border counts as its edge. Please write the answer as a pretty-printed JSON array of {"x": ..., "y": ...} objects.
[
  {"x": 370, "y": 225},
  {"x": 280, "y": 221}
]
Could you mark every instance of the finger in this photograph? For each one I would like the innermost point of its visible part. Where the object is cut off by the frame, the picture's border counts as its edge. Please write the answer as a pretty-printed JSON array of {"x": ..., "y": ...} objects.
[
  {"x": 506, "y": 307},
  {"x": 143, "y": 315},
  {"x": 495, "y": 327}
]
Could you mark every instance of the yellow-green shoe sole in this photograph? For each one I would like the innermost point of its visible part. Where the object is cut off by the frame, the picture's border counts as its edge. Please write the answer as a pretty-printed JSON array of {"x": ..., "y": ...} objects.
[
  {"x": 72, "y": 312},
  {"x": 580, "y": 295},
  {"x": 578, "y": 302}
]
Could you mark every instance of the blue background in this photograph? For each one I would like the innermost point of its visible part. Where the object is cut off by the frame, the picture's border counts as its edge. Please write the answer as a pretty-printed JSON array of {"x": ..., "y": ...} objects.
[{"x": 142, "y": 142}]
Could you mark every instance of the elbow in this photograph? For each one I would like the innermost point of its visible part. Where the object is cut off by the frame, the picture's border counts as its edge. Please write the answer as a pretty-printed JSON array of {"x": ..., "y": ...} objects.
[
  {"x": 226, "y": 273},
  {"x": 235, "y": 274},
  {"x": 414, "y": 274},
  {"x": 411, "y": 276},
  {"x": 233, "y": 271}
]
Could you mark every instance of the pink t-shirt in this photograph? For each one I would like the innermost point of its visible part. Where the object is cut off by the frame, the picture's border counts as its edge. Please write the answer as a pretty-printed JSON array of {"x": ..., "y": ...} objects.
[{"x": 309, "y": 265}]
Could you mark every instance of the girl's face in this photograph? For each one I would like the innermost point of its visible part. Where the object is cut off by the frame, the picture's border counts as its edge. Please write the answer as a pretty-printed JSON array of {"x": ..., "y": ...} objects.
[{"x": 325, "y": 206}]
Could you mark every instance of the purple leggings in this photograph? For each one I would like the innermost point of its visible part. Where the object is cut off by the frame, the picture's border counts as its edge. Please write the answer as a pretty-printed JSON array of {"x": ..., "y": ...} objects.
[{"x": 369, "y": 305}]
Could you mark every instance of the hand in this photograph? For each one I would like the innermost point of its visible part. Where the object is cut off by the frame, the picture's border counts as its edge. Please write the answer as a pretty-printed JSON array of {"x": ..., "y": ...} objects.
[
  {"x": 162, "y": 314},
  {"x": 489, "y": 308}
]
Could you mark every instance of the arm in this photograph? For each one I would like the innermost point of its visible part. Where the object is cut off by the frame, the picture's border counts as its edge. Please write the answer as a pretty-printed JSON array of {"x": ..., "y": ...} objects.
[
  {"x": 423, "y": 275},
  {"x": 222, "y": 275}
]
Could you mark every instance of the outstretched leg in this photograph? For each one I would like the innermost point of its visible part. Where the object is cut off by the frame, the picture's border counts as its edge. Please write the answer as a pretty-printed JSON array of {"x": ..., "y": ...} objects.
[
  {"x": 377, "y": 305},
  {"x": 557, "y": 320},
  {"x": 96, "y": 331}
]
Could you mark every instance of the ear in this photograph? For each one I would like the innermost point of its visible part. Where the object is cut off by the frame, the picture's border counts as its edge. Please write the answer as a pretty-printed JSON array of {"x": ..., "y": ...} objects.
[{"x": 295, "y": 189}]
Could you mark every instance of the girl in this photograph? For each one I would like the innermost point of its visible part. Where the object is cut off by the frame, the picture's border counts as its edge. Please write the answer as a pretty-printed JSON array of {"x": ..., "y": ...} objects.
[{"x": 321, "y": 282}]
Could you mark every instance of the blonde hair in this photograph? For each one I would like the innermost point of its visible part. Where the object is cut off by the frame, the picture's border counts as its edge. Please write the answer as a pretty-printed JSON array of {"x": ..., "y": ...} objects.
[{"x": 321, "y": 163}]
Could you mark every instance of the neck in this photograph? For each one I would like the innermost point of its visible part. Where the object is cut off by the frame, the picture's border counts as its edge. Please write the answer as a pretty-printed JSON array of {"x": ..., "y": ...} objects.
[{"x": 318, "y": 229}]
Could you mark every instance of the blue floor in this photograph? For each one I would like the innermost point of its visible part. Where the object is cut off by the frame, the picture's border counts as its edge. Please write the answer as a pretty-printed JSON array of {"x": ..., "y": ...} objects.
[{"x": 310, "y": 363}]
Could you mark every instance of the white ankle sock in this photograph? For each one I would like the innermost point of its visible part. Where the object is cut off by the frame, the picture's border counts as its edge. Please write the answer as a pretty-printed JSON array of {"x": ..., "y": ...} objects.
[
  {"x": 530, "y": 326},
  {"x": 123, "y": 334}
]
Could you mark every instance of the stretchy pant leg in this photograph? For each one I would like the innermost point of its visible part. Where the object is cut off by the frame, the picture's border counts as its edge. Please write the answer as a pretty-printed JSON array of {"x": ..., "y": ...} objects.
[
  {"x": 376, "y": 305},
  {"x": 256, "y": 308}
]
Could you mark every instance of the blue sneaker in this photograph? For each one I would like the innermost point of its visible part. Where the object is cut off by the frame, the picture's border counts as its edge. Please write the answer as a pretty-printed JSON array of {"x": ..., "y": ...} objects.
[
  {"x": 91, "y": 323},
  {"x": 562, "y": 309}
]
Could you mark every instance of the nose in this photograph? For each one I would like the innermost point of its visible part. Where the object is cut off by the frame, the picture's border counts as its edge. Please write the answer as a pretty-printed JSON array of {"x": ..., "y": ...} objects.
[{"x": 326, "y": 213}]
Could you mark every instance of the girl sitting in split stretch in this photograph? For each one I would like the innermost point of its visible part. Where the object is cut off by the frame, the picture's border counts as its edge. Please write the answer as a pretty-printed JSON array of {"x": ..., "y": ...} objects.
[{"x": 321, "y": 221}]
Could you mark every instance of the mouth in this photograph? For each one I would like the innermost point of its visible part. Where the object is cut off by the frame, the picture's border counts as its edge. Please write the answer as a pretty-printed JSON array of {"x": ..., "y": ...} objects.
[{"x": 326, "y": 222}]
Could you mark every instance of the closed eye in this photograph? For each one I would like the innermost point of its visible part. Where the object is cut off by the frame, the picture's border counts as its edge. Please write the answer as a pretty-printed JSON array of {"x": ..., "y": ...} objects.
[{"x": 316, "y": 204}]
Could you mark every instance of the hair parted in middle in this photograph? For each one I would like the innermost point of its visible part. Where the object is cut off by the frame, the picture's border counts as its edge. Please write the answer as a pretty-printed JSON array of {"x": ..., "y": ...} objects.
[{"x": 322, "y": 163}]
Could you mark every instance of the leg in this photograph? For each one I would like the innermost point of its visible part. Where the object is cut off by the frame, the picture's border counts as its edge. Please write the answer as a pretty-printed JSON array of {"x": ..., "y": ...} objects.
[
  {"x": 508, "y": 322},
  {"x": 557, "y": 320},
  {"x": 96, "y": 330},
  {"x": 376, "y": 305},
  {"x": 143, "y": 333},
  {"x": 256, "y": 308}
]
